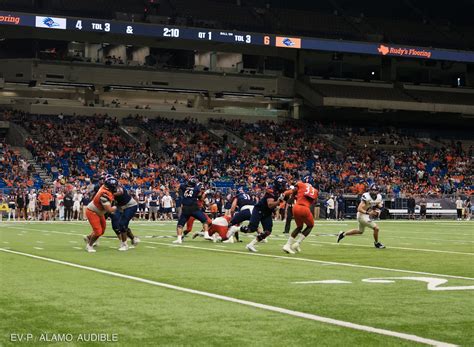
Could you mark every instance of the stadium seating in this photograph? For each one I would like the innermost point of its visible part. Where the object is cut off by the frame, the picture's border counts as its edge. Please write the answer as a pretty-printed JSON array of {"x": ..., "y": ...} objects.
[{"x": 343, "y": 157}]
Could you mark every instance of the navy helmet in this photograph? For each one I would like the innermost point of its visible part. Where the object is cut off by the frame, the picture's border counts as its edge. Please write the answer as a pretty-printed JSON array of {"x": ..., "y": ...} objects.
[
  {"x": 279, "y": 184},
  {"x": 308, "y": 179},
  {"x": 111, "y": 184}
]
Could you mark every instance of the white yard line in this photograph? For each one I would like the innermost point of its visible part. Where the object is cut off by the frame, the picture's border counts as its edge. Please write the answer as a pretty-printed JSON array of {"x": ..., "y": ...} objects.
[
  {"x": 38, "y": 248},
  {"x": 394, "y": 247},
  {"x": 290, "y": 258},
  {"x": 425, "y": 239},
  {"x": 303, "y": 315}
]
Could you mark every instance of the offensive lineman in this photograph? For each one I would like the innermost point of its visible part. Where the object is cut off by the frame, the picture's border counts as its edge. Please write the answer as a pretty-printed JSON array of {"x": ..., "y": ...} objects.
[
  {"x": 369, "y": 208},
  {"x": 126, "y": 210},
  {"x": 263, "y": 211}
]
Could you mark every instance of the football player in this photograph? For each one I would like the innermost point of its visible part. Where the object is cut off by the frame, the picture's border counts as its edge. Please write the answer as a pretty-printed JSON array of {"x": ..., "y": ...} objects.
[
  {"x": 190, "y": 192},
  {"x": 244, "y": 203},
  {"x": 218, "y": 230},
  {"x": 126, "y": 210},
  {"x": 368, "y": 209},
  {"x": 305, "y": 195},
  {"x": 96, "y": 210},
  {"x": 263, "y": 211}
]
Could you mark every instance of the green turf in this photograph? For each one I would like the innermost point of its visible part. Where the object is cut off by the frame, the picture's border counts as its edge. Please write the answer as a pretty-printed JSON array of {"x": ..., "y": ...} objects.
[{"x": 39, "y": 297}]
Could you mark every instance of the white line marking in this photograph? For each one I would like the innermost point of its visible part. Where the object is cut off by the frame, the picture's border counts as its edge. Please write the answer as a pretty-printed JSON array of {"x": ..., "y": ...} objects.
[
  {"x": 323, "y": 262},
  {"x": 72, "y": 241},
  {"x": 39, "y": 242},
  {"x": 432, "y": 283},
  {"x": 77, "y": 247},
  {"x": 6, "y": 242},
  {"x": 323, "y": 282},
  {"x": 150, "y": 247},
  {"x": 39, "y": 248},
  {"x": 426, "y": 239},
  {"x": 276, "y": 309},
  {"x": 402, "y": 248}
]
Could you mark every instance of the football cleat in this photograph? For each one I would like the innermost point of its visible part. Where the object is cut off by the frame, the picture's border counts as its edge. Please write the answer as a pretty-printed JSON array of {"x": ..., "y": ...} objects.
[
  {"x": 123, "y": 248},
  {"x": 230, "y": 240},
  {"x": 177, "y": 242},
  {"x": 86, "y": 239},
  {"x": 296, "y": 247},
  {"x": 135, "y": 241},
  {"x": 90, "y": 249},
  {"x": 340, "y": 236},
  {"x": 287, "y": 249},
  {"x": 379, "y": 245},
  {"x": 251, "y": 248}
]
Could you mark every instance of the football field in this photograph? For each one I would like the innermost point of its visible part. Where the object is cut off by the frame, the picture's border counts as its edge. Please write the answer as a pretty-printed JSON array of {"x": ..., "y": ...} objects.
[{"x": 419, "y": 290}]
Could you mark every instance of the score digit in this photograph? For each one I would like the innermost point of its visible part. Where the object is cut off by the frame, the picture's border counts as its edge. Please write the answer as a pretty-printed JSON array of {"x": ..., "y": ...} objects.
[{"x": 79, "y": 24}]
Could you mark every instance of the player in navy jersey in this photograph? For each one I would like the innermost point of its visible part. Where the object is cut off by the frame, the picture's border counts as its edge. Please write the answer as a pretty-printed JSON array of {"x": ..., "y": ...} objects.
[
  {"x": 126, "y": 210},
  {"x": 263, "y": 211},
  {"x": 190, "y": 193},
  {"x": 243, "y": 201}
]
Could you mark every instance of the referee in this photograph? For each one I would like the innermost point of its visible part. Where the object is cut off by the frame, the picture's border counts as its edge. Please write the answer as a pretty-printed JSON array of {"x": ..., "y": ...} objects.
[{"x": 289, "y": 213}]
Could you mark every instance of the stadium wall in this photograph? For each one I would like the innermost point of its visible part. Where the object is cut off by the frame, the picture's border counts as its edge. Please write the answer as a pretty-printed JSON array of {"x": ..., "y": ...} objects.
[
  {"x": 26, "y": 70},
  {"x": 202, "y": 117}
]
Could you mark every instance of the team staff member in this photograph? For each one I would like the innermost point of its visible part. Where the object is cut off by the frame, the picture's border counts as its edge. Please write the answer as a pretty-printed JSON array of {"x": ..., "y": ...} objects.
[
  {"x": 44, "y": 198},
  {"x": 20, "y": 205},
  {"x": 96, "y": 210},
  {"x": 289, "y": 214}
]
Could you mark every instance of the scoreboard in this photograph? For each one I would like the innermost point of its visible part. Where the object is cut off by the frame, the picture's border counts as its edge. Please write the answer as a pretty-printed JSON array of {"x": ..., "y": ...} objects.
[{"x": 172, "y": 32}]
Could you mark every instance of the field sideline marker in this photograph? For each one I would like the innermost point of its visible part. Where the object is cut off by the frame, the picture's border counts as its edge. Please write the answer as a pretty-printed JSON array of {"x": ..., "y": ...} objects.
[{"x": 276, "y": 309}]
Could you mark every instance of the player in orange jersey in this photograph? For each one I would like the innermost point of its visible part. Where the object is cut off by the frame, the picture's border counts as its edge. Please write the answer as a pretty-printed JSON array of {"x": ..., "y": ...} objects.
[
  {"x": 305, "y": 194},
  {"x": 96, "y": 210},
  {"x": 219, "y": 230}
]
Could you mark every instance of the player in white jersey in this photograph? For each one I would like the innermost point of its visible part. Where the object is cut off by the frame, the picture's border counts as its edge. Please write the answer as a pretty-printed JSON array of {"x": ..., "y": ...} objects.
[
  {"x": 31, "y": 208},
  {"x": 369, "y": 208}
]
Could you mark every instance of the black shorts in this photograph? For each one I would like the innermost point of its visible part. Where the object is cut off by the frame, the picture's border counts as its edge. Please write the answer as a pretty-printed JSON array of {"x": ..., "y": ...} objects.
[
  {"x": 141, "y": 207},
  {"x": 423, "y": 211},
  {"x": 167, "y": 210},
  {"x": 411, "y": 210},
  {"x": 45, "y": 208}
]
